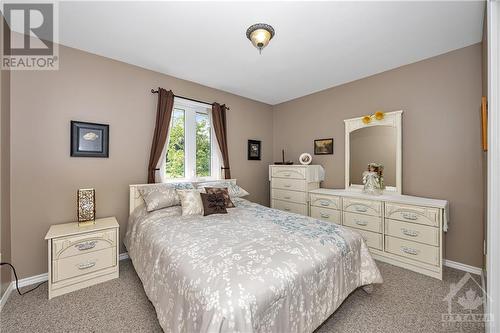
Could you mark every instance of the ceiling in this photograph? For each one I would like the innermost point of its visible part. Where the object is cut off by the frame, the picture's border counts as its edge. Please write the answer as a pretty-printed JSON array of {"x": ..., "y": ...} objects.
[{"x": 317, "y": 45}]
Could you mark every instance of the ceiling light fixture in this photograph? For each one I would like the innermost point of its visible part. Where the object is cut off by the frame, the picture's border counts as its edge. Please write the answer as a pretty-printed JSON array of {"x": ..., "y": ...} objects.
[{"x": 260, "y": 34}]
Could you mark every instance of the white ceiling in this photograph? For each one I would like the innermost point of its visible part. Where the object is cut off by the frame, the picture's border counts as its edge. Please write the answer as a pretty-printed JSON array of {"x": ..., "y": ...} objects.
[{"x": 317, "y": 45}]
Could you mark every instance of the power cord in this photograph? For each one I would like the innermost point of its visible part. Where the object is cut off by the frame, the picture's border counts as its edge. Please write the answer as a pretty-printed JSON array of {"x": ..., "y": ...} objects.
[{"x": 17, "y": 280}]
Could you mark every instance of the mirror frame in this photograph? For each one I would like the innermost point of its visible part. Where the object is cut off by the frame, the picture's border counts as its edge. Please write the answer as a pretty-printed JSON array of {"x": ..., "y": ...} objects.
[{"x": 393, "y": 119}]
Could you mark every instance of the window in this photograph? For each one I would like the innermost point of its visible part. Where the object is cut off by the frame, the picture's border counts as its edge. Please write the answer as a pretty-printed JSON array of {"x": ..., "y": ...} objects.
[{"x": 192, "y": 151}]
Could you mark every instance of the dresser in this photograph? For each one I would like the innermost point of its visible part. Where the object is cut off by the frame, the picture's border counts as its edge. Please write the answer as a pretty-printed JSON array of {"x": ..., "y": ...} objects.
[
  {"x": 81, "y": 256},
  {"x": 290, "y": 185},
  {"x": 402, "y": 230}
]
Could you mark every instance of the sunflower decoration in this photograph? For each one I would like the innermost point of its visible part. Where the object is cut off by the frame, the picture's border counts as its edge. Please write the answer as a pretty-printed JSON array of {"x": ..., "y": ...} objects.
[
  {"x": 379, "y": 115},
  {"x": 367, "y": 120}
]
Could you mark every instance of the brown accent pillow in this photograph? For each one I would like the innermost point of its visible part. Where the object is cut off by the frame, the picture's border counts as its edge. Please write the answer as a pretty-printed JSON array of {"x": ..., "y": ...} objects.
[
  {"x": 213, "y": 204},
  {"x": 224, "y": 192}
]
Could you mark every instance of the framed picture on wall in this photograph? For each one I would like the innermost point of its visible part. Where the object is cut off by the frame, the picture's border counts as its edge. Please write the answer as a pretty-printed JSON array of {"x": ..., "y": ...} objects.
[
  {"x": 323, "y": 147},
  {"x": 254, "y": 149},
  {"x": 89, "y": 139}
]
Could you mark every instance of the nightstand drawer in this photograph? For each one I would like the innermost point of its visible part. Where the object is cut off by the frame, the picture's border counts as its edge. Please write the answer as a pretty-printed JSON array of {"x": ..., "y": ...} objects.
[
  {"x": 83, "y": 264},
  {"x": 83, "y": 243}
]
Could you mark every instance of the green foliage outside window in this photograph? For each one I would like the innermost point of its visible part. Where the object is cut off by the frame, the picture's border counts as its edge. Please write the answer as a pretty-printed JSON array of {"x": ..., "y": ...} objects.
[{"x": 176, "y": 146}]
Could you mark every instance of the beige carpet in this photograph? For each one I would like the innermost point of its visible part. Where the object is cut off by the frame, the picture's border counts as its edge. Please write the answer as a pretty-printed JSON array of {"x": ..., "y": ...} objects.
[{"x": 406, "y": 302}]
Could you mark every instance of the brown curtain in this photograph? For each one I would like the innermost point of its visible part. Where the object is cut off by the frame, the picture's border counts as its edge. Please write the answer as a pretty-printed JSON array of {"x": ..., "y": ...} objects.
[
  {"x": 163, "y": 114},
  {"x": 220, "y": 128}
]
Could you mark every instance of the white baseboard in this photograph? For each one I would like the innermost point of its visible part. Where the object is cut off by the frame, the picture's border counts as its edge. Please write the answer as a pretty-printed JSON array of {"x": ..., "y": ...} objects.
[
  {"x": 6, "y": 295},
  {"x": 463, "y": 267},
  {"x": 34, "y": 280}
]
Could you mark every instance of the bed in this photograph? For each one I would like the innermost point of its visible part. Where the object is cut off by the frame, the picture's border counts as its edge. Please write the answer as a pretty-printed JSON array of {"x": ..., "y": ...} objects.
[{"x": 255, "y": 269}]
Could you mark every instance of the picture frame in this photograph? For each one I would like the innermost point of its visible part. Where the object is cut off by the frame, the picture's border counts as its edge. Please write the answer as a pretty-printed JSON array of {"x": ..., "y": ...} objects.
[
  {"x": 484, "y": 123},
  {"x": 89, "y": 139},
  {"x": 323, "y": 146},
  {"x": 254, "y": 150}
]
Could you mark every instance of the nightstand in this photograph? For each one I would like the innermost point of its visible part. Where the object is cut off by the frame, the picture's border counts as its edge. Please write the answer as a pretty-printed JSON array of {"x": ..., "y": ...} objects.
[{"x": 80, "y": 257}]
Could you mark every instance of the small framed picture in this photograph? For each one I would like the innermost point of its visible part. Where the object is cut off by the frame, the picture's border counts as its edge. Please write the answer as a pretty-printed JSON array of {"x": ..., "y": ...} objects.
[
  {"x": 89, "y": 139},
  {"x": 323, "y": 147},
  {"x": 254, "y": 150}
]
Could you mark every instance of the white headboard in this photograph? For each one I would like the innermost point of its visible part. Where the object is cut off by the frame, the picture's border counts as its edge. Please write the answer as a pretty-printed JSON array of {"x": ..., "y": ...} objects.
[{"x": 135, "y": 198}]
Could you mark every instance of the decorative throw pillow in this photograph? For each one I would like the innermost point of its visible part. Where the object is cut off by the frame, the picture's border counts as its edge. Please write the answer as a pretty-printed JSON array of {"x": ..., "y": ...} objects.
[
  {"x": 158, "y": 196},
  {"x": 213, "y": 203},
  {"x": 233, "y": 189},
  {"x": 190, "y": 202},
  {"x": 223, "y": 191}
]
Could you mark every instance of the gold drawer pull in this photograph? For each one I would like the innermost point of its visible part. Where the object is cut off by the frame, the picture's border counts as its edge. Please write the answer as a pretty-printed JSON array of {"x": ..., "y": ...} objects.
[
  {"x": 411, "y": 233},
  {"x": 361, "y": 208},
  {"x": 287, "y": 209},
  {"x": 287, "y": 198},
  {"x": 362, "y": 223},
  {"x": 410, "y": 216},
  {"x": 86, "y": 246},
  {"x": 409, "y": 250},
  {"x": 86, "y": 265},
  {"x": 287, "y": 174},
  {"x": 325, "y": 216},
  {"x": 324, "y": 203},
  {"x": 287, "y": 185}
]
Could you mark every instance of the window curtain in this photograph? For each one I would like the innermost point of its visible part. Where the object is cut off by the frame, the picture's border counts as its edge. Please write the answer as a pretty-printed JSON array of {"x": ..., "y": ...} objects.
[
  {"x": 163, "y": 115},
  {"x": 220, "y": 128}
]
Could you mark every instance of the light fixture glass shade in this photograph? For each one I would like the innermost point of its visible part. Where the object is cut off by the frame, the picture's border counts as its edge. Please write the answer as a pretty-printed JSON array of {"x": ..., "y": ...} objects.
[{"x": 260, "y": 34}]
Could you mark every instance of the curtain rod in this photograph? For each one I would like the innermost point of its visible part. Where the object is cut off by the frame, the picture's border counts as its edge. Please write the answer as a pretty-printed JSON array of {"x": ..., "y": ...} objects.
[{"x": 189, "y": 99}]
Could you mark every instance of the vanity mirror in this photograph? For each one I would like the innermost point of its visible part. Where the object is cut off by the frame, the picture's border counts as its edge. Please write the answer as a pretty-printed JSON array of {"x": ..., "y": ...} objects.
[{"x": 374, "y": 139}]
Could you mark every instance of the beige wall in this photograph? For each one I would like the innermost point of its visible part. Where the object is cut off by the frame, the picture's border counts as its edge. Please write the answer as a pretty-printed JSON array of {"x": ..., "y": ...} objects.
[
  {"x": 442, "y": 155},
  {"x": 92, "y": 88},
  {"x": 5, "y": 272}
]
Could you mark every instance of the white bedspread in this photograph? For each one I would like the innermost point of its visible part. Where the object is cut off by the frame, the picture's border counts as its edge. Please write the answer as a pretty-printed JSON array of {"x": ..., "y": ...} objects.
[{"x": 255, "y": 269}]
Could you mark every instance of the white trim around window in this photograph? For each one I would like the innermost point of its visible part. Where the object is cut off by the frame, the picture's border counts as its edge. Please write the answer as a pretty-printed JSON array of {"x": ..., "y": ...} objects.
[{"x": 191, "y": 109}]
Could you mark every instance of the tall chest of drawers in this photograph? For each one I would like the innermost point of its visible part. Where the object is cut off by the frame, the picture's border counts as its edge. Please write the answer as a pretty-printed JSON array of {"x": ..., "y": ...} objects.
[
  {"x": 402, "y": 230},
  {"x": 290, "y": 185}
]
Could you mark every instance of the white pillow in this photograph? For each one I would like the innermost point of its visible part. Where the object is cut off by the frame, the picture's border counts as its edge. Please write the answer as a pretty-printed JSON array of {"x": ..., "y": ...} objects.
[
  {"x": 191, "y": 202},
  {"x": 158, "y": 196},
  {"x": 233, "y": 189}
]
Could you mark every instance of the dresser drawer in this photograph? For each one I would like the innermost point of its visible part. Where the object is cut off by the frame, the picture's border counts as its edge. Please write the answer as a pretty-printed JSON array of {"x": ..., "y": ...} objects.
[
  {"x": 372, "y": 239},
  {"x": 365, "y": 222},
  {"x": 83, "y": 264},
  {"x": 415, "y": 214},
  {"x": 83, "y": 243},
  {"x": 286, "y": 195},
  {"x": 289, "y": 184},
  {"x": 290, "y": 207},
  {"x": 289, "y": 172},
  {"x": 330, "y": 215},
  {"x": 326, "y": 201},
  {"x": 368, "y": 207},
  {"x": 412, "y": 231},
  {"x": 412, "y": 250}
]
